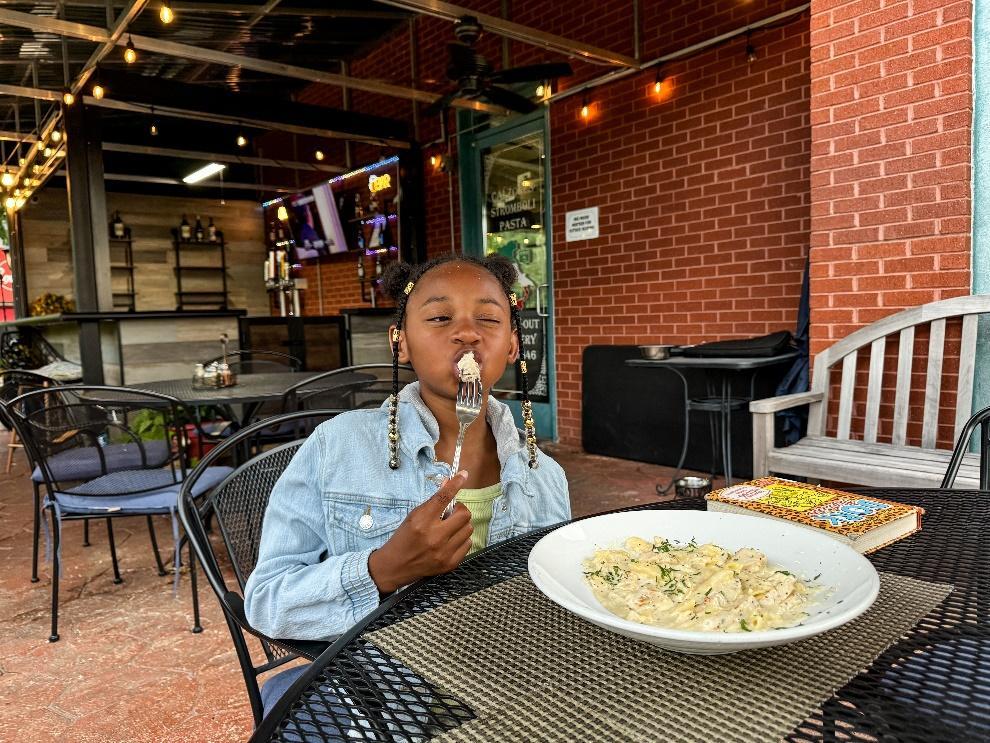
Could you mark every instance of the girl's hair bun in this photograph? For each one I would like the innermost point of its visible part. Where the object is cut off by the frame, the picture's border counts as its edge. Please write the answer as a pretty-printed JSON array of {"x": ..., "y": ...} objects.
[{"x": 395, "y": 278}]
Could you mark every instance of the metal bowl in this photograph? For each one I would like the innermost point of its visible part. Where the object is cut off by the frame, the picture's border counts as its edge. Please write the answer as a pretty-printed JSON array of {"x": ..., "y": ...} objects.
[{"x": 655, "y": 353}]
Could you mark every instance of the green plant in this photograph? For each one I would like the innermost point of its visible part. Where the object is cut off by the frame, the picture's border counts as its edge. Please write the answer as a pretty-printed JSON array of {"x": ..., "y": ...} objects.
[{"x": 149, "y": 424}]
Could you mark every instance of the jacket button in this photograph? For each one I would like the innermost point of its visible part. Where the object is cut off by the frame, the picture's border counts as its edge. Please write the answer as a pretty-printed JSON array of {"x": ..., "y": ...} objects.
[
  {"x": 505, "y": 506},
  {"x": 366, "y": 521}
]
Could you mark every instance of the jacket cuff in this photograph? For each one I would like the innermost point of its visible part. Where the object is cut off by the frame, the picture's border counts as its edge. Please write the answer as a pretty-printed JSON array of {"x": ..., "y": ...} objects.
[{"x": 356, "y": 581}]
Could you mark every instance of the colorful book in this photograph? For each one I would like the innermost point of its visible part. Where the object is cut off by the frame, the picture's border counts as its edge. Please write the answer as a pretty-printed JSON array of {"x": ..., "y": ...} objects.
[{"x": 863, "y": 522}]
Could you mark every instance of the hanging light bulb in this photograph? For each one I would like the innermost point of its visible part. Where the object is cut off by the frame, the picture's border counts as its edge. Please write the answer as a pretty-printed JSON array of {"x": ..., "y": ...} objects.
[
  {"x": 750, "y": 49},
  {"x": 585, "y": 109},
  {"x": 36, "y": 168},
  {"x": 433, "y": 160},
  {"x": 154, "y": 129},
  {"x": 56, "y": 136},
  {"x": 21, "y": 162},
  {"x": 8, "y": 179},
  {"x": 165, "y": 14},
  {"x": 241, "y": 140},
  {"x": 541, "y": 91},
  {"x": 26, "y": 182},
  {"x": 10, "y": 202},
  {"x": 130, "y": 53},
  {"x": 319, "y": 155},
  {"x": 67, "y": 98},
  {"x": 47, "y": 152},
  {"x": 98, "y": 92}
]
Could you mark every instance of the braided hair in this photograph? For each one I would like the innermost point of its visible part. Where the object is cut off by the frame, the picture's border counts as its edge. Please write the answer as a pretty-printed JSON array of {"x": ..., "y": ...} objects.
[{"x": 399, "y": 281}]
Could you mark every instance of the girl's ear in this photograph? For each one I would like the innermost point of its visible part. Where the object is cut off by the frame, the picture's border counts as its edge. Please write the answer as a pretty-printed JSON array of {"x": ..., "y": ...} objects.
[
  {"x": 403, "y": 353},
  {"x": 514, "y": 348}
]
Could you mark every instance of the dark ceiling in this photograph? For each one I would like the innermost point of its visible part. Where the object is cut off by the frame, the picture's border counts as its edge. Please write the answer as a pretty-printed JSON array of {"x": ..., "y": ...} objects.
[{"x": 305, "y": 33}]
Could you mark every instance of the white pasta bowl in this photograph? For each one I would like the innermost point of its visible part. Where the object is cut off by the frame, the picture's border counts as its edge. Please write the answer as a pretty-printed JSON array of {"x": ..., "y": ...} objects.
[{"x": 850, "y": 580}]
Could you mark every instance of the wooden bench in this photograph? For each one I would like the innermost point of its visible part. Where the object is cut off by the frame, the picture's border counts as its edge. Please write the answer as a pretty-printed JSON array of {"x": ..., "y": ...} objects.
[{"x": 866, "y": 460}]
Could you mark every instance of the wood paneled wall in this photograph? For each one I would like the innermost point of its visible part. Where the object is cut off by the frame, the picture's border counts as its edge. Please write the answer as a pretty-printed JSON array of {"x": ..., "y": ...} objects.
[{"x": 151, "y": 219}]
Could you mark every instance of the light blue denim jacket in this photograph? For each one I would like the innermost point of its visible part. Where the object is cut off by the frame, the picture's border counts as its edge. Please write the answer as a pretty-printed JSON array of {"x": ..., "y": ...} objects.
[{"x": 311, "y": 581}]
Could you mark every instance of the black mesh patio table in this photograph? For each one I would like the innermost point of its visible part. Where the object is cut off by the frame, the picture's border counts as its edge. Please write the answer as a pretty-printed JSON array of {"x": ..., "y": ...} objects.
[{"x": 934, "y": 684}]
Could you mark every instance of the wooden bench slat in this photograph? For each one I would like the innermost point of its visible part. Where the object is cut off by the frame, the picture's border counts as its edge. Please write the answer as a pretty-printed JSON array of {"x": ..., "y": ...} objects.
[
  {"x": 933, "y": 384},
  {"x": 967, "y": 369},
  {"x": 874, "y": 389},
  {"x": 905, "y": 357},
  {"x": 846, "y": 392},
  {"x": 933, "y": 455},
  {"x": 866, "y": 471}
]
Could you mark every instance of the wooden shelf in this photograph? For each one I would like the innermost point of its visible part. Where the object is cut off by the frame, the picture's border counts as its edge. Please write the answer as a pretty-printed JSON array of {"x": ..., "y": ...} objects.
[{"x": 219, "y": 296}]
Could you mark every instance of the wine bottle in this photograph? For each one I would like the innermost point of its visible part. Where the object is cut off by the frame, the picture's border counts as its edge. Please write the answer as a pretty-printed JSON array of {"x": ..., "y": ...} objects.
[
  {"x": 199, "y": 230},
  {"x": 211, "y": 230},
  {"x": 118, "y": 226},
  {"x": 184, "y": 230}
]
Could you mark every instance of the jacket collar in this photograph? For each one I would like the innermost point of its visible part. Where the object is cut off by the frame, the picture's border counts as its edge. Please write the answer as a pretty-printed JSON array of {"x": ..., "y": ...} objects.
[{"x": 419, "y": 430}]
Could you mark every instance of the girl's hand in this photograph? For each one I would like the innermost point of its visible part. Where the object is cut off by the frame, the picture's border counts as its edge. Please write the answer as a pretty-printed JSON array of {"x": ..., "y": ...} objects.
[{"x": 424, "y": 544}]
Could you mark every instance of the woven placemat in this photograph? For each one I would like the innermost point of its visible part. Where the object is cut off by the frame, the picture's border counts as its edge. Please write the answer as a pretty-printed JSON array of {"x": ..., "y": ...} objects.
[{"x": 533, "y": 671}]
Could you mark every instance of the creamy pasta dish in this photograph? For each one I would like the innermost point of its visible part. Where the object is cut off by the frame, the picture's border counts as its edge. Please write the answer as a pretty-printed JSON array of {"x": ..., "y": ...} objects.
[{"x": 696, "y": 586}]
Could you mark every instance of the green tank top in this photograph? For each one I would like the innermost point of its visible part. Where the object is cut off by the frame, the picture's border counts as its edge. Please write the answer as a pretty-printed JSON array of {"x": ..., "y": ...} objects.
[{"x": 479, "y": 502}]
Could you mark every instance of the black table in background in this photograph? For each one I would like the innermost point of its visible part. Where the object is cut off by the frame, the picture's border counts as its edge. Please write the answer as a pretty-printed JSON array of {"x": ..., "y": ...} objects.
[
  {"x": 720, "y": 399},
  {"x": 933, "y": 685}
]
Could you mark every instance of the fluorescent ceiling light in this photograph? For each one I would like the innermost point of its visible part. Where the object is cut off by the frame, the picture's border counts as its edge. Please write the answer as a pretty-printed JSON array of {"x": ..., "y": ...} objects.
[{"x": 205, "y": 172}]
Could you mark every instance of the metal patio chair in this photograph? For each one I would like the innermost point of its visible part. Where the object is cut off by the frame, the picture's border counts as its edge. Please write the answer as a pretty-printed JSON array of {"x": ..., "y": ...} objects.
[
  {"x": 349, "y": 388},
  {"x": 106, "y": 452},
  {"x": 238, "y": 506},
  {"x": 247, "y": 361},
  {"x": 981, "y": 420}
]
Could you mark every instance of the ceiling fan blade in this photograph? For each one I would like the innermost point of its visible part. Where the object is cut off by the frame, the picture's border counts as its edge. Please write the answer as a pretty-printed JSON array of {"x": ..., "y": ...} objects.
[
  {"x": 440, "y": 103},
  {"x": 508, "y": 99},
  {"x": 532, "y": 73}
]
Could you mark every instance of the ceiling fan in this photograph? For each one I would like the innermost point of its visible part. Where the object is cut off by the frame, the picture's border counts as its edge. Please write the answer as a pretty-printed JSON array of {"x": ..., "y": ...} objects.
[{"x": 476, "y": 78}]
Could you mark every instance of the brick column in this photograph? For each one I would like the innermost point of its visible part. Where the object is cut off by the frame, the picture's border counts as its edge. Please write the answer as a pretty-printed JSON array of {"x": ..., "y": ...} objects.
[{"x": 891, "y": 113}]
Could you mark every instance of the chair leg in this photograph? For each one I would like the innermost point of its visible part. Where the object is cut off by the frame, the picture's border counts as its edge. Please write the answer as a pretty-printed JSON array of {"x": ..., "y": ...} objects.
[
  {"x": 37, "y": 534},
  {"x": 86, "y": 533},
  {"x": 197, "y": 627},
  {"x": 113, "y": 553},
  {"x": 10, "y": 450},
  {"x": 154, "y": 546},
  {"x": 56, "y": 567}
]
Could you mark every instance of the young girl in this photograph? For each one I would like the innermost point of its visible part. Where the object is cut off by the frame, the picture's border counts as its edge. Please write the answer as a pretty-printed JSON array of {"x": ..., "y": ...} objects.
[{"x": 357, "y": 514}]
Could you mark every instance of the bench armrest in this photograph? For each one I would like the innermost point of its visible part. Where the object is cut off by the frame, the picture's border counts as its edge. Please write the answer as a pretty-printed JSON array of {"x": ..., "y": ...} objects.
[{"x": 784, "y": 402}]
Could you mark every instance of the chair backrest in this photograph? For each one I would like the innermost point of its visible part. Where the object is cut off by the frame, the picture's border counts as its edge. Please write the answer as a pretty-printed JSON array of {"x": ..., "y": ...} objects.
[
  {"x": 247, "y": 361},
  {"x": 78, "y": 433},
  {"x": 238, "y": 504},
  {"x": 979, "y": 420},
  {"x": 26, "y": 348},
  {"x": 16, "y": 382},
  {"x": 350, "y": 388},
  {"x": 904, "y": 325}
]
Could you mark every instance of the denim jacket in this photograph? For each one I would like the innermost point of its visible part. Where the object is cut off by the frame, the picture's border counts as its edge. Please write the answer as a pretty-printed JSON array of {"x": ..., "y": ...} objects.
[{"x": 338, "y": 500}]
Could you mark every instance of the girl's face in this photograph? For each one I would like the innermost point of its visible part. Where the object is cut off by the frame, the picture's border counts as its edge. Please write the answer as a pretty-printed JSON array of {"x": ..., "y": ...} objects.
[{"x": 455, "y": 308}]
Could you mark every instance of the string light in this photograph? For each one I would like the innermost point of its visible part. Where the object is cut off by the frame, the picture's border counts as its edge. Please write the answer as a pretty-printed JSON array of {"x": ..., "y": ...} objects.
[
  {"x": 56, "y": 136},
  {"x": 433, "y": 160},
  {"x": 98, "y": 92},
  {"x": 658, "y": 84},
  {"x": 319, "y": 155},
  {"x": 154, "y": 124},
  {"x": 10, "y": 202},
  {"x": 130, "y": 53},
  {"x": 165, "y": 14},
  {"x": 67, "y": 98},
  {"x": 47, "y": 152},
  {"x": 541, "y": 91},
  {"x": 750, "y": 49},
  {"x": 8, "y": 179},
  {"x": 241, "y": 140},
  {"x": 585, "y": 109}
]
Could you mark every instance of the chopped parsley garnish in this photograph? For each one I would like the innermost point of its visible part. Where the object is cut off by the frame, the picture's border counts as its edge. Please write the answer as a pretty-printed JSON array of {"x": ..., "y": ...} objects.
[
  {"x": 664, "y": 546},
  {"x": 783, "y": 572},
  {"x": 708, "y": 591},
  {"x": 742, "y": 623}
]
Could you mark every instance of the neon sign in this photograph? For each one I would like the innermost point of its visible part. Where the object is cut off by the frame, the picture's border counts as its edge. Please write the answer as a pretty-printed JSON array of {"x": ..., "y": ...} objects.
[{"x": 378, "y": 183}]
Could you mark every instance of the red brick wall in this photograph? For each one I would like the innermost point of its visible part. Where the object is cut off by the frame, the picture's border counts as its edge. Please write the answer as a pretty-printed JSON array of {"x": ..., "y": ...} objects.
[
  {"x": 703, "y": 195},
  {"x": 891, "y": 108},
  {"x": 703, "y": 200}
]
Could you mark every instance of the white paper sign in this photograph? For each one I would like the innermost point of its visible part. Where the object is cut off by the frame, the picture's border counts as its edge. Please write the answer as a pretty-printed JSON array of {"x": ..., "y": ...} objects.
[{"x": 582, "y": 224}]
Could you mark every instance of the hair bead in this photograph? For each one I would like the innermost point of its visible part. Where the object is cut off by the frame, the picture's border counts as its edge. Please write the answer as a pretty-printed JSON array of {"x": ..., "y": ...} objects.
[{"x": 409, "y": 288}]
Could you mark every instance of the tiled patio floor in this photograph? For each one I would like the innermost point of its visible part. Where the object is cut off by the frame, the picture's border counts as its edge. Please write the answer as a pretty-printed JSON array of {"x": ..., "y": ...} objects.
[{"x": 127, "y": 668}]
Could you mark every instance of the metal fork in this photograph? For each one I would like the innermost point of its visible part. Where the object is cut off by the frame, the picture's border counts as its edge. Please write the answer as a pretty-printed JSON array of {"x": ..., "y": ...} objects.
[{"x": 469, "y": 397}]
